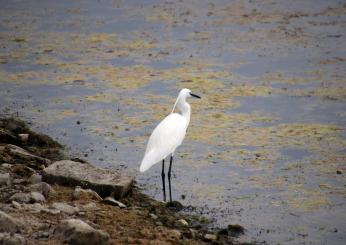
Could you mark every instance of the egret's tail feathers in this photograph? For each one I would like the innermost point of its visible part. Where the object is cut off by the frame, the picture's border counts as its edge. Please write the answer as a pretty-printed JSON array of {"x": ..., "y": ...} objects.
[
  {"x": 143, "y": 168},
  {"x": 149, "y": 160}
]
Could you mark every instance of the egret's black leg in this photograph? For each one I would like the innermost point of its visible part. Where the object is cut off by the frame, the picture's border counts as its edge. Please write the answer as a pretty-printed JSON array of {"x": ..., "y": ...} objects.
[
  {"x": 169, "y": 178},
  {"x": 163, "y": 180}
]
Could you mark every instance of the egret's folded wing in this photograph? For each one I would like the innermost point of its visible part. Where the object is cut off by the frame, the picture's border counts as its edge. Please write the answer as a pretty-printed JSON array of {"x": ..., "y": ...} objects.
[{"x": 166, "y": 137}]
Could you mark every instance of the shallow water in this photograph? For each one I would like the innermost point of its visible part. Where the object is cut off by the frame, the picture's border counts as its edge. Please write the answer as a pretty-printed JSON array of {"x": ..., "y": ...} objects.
[{"x": 264, "y": 143}]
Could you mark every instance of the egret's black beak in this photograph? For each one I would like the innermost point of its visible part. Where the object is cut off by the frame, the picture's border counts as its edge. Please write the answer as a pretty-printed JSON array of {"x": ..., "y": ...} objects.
[{"x": 195, "y": 95}]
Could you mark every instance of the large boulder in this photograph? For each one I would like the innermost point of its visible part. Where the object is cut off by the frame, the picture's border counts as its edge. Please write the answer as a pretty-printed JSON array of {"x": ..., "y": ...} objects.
[
  {"x": 77, "y": 232},
  {"x": 15, "y": 154},
  {"x": 103, "y": 181}
]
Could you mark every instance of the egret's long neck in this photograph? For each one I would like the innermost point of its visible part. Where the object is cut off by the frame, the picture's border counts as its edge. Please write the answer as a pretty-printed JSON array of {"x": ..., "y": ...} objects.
[
  {"x": 186, "y": 112},
  {"x": 184, "y": 108}
]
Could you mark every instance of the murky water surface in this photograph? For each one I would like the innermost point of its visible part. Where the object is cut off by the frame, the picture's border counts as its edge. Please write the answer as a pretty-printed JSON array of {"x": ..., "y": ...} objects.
[{"x": 266, "y": 141}]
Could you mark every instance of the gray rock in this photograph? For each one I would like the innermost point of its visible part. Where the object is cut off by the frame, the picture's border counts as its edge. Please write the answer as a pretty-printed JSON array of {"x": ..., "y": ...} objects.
[
  {"x": 36, "y": 197},
  {"x": 24, "y": 137},
  {"x": 9, "y": 223},
  {"x": 82, "y": 194},
  {"x": 21, "y": 197},
  {"x": 210, "y": 237},
  {"x": 50, "y": 211},
  {"x": 43, "y": 188},
  {"x": 23, "y": 154},
  {"x": 153, "y": 216},
  {"x": 77, "y": 232},
  {"x": 89, "y": 206},
  {"x": 175, "y": 234},
  {"x": 19, "y": 181},
  {"x": 6, "y": 166},
  {"x": 33, "y": 208},
  {"x": 16, "y": 205},
  {"x": 7, "y": 208},
  {"x": 193, "y": 233},
  {"x": 112, "y": 201},
  {"x": 6, "y": 179},
  {"x": 183, "y": 222},
  {"x": 35, "y": 178},
  {"x": 11, "y": 239},
  {"x": 103, "y": 181},
  {"x": 65, "y": 208},
  {"x": 23, "y": 170},
  {"x": 41, "y": 234}
]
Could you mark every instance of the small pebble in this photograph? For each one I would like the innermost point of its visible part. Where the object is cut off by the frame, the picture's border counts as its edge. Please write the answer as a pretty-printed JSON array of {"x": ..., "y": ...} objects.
[
  {"x": 16, "y": 205},
  {"x": 112, "y": 201},
  {"x": 210, "y": 237},
  {"x": 183, "y": 222},
  {"x": 35, "y": 178},
  {"x": 175, "y": 234},
  {"x": 154, "y": 216},
  {"x": 37, "y": 197},
  {"x": 24, "y": 137}
]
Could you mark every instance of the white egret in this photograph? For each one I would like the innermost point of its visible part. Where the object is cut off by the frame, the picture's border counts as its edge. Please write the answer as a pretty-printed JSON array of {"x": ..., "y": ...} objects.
[{"x": 167, "y": 136}]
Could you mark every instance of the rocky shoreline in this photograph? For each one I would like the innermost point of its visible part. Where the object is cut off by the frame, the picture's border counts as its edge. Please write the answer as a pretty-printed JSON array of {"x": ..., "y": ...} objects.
[{"x": 48, "y": 199}]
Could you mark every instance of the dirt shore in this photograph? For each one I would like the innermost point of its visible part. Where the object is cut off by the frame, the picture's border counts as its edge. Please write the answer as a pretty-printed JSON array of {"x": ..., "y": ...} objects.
[{"x": 34, "y": 212}]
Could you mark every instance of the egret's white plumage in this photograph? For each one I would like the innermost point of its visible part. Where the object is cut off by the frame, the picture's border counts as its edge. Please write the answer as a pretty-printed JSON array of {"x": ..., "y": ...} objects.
[
  {"x": 169, "y": 134},
  {"x": 166, "y": 137}
]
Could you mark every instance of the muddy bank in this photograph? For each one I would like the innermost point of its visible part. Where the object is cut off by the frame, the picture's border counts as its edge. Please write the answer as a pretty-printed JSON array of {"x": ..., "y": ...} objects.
[{"x": 38, "y": 209}]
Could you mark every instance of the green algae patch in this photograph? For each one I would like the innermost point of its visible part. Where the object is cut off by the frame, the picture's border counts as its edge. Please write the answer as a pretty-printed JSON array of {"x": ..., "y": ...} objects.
[
  {"x": 195, "y": 77},
  {"x": 281, "y": 77},
  {"x": 329, "y": 162},
  {"x": 310, "y": 136},
  {"x": 100, "y": 97},
  {"x": 101, "y": 38},
  {"x": 268, "y": 183},
  {"x": 139, "y": 44},
  {"x": 133, "y": 122},
  {"x": 250, "y": 90},
  {"x": 256, "y": 160},
  {"x": 331, "y": 93},
  {"x": 221, "y": 128},
  {"x": 103, "y": 132},
  {"x": 54, "y": 115},
  {"x": 308, "y": 200},
  {"x": 237, "y": 12},
  {"x": 207, "y": 191},
  {"x": 26, "y": 77},
  {"x": 127, "y": 77}
]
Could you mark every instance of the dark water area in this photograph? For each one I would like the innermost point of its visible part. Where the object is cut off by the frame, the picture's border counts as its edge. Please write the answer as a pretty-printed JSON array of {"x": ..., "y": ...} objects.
[{"x": 266, "y": 142}]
